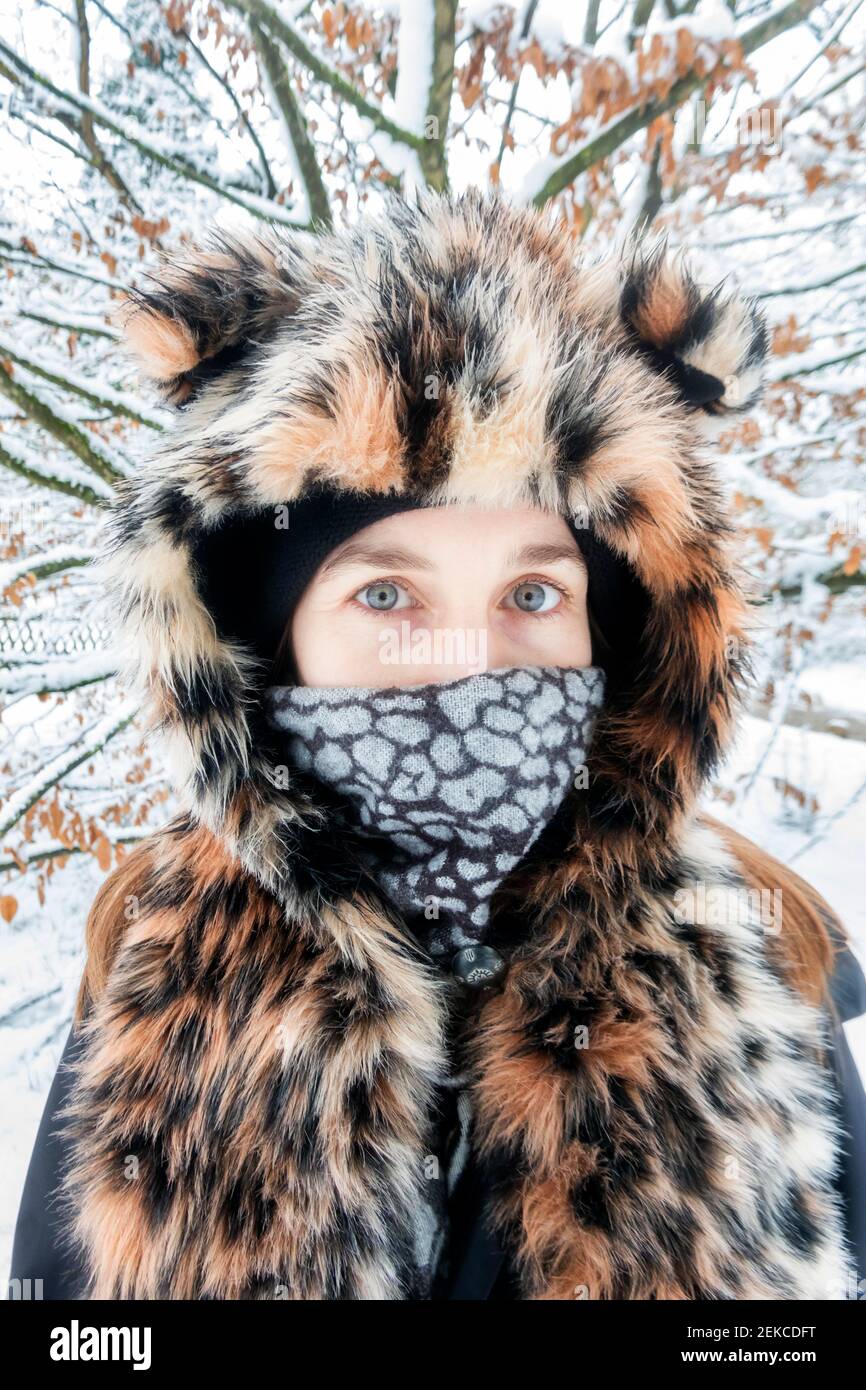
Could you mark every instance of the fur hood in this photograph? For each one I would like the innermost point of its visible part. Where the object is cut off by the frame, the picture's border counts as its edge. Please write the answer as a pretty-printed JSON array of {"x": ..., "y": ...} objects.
[
  {"x": 581, "y": 389},
  {"x": 265, "y": 1048}
]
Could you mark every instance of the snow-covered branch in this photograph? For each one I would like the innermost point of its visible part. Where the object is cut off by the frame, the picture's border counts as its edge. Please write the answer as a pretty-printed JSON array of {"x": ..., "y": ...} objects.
[
  {"x": 812, "y": 285},
  {"x": 92, "y": 451},
  {"x": 176, "y": 161},
  {"x": 550, "y": 178},
  {"x": 270, "y": 17},
  {"x": 53, "y": 677},
  {"x": 90, "y": 742},
  {"x": 820, "y": 718},
  {"x": 103, "y": 396},
  {"x": 85, "y": 125},
  {"x": 22, "y": 255},
  {"x": 81, "y": 327},
  {"x": 40, "y": 854},
  {"x": 804, "y": 364},
  {"x": 44, "y": 564},
  {"x": 26, "y": 465},
  {"x": 301, "y": 149}
]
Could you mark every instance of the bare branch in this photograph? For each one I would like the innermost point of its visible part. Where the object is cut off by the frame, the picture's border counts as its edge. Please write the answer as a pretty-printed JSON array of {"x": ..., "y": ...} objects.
[
  {"x": 512, "y": 100},
  {"x": 809, "y": 103},
  {"x": 91, "y": 741},
  {"x": 433, "y": 153},
  {"x": 639, "y": 20},
  {"x": 19, "y": 255},
  {"x": 785, "y": 231},
  {"x": 85, "y": 446},
  {"x": 53, "y": 135},
  {"x": 102, "y": 396},
  {"x": 302, "y": 147},
  {"x": 590, "y": 26},
  {"x": 41, "y": 477},
  {"x": 832, "y": 820},
  {"x": 31, "y": 1000},
  {"x": 653, "y": 191},
  {"x": 100, "y": 160},
  {"x": 134, "y": 135},
  {"x": 270, "y": 183},
  {"x": 294, "y": 41},
  {"x": 827, "y": 43}
]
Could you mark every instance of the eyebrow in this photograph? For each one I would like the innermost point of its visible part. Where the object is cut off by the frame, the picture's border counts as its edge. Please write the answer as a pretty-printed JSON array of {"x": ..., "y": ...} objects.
[
  {"x": 546, "y": 553},
  {"x": 387, "y": 557},
  {"x": 392, "y": 557}
]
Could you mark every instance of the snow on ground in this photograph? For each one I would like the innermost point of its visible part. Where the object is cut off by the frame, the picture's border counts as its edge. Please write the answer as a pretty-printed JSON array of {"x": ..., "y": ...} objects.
[
  {"x": 825, "y": 683},
  {"x": 825, "y": 850},
  {"x": 41, "y": 952},
  {"x": 824, "y": 845}
]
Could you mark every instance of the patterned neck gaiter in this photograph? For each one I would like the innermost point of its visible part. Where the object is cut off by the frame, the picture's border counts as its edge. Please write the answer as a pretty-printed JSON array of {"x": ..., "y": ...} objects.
[{"x": 454, "y": 781}]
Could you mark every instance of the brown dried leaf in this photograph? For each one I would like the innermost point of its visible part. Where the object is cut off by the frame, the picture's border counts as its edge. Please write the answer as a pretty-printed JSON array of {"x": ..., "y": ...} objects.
[{"x": 102, "y": 850}]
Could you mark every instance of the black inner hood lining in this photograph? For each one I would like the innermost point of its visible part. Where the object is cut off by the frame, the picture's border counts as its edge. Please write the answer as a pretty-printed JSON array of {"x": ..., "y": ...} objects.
[{"x": 252, "y": 568}]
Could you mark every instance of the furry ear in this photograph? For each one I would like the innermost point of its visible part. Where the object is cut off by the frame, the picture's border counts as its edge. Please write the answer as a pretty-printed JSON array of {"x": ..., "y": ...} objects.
[
  {"x": 199, "y": 312},
  {"x": 710, "y": 343}
]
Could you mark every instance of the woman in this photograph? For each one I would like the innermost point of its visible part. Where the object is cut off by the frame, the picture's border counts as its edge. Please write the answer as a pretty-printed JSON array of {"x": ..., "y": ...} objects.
[{"x": 442, "y": 987}]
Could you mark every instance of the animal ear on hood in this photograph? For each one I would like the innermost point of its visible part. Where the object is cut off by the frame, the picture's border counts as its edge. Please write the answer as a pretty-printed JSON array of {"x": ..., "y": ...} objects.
[
  {"x": 200, "y": 311},
  {"x": 711, "y": 343}
]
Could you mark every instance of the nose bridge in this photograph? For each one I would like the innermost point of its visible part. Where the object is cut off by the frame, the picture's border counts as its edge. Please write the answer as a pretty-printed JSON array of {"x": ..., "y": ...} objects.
[
  {"x": 465, "y": 606},
  {"x": 460, "y": 621}
]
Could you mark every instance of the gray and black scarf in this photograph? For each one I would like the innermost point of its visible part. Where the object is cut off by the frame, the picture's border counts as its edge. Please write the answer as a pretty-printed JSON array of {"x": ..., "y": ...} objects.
[
  {"x": 449, "y": 785},
  {"x": 459, "y": 778}
]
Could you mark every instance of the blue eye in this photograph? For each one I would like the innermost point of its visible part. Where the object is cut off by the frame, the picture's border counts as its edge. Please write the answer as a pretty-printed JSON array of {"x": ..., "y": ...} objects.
[
  {"x": 383, "y": 596},
  {"x": 534, "y": 597}
]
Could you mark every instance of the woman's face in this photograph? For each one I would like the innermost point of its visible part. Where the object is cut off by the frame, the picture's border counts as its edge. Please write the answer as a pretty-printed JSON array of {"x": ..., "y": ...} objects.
[{"x": 440, "y": 593}]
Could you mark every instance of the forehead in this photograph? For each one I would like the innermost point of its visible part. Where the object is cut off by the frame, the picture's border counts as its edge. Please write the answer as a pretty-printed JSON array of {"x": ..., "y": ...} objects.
[
  {"x": 460, "y": 520},
  {"x": 457, "y": 540}
]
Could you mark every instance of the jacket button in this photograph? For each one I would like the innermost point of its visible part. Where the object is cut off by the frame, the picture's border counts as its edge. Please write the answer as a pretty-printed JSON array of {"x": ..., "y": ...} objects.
[{"x": 478, "y": 966}]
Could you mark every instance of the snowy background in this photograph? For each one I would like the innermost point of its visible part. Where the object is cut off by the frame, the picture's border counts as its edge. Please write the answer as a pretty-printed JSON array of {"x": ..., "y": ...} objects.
[{"x": 131, "y": 126}]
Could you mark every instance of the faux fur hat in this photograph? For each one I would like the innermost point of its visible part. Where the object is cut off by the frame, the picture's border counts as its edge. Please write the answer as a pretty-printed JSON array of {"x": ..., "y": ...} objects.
[{"x": 452, "y": 350}]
